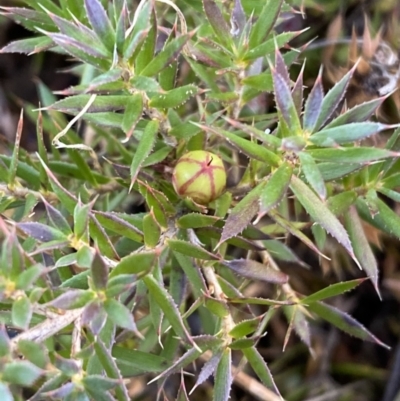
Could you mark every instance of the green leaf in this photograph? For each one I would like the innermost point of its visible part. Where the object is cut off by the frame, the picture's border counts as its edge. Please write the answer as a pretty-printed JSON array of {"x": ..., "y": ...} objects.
[
  {"x": 119, "y": 314},
  {"x": 116, "y": 224},
  {"x": 347, "y": 133},
  {"x": 188, "y": 249},
  {"x": 217, "y": 307},
  {"x": 265, "y": 22},
  {"x": 332, "y": 99},
  {"x": 332, "y": 291},
  {"x": 99, "y": 272},
  {"x": 261, "y": 369},
  {"x": 34, "y": 353},
  {"x": 145, "y": 146},
  {"x": 196, "y": 220},
  {"x": 133, "y": 113},
  {"x": 28, "y": 46},
  {"x": 111, "y": 368},
  {"x": 168, "y": 306},
  {"x": 344, "y": 322},
  {"x": 151, "y": 230},
  {"x": 21, "y": 313},
  {"x": 22, "y": 373},
  {"x": 312, "y": 174},
  {"x": 341, "y": 202},
  {"x": 361, "y": 246},
  {"x": 321, "y": 214},
  {"x": 134, "y": 362},
  {"x": 250, "y": 149},
  {"x": 14, "y": 158},
  {"x": 275, "y": 188},
  {"x": 163, "y": 59},
  {"x": 135, "y": 263},
  {"x": 245, "y": 327},
  {"x": 173, "y": 98},
  {"x": 223, "y": 377}
]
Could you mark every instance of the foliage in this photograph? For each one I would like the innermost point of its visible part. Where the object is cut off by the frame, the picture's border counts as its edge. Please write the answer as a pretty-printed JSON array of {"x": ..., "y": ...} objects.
[{"x": 102, "y": 294}]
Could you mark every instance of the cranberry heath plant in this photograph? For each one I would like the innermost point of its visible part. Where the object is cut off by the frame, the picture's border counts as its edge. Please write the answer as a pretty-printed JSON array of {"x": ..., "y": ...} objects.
[{"x": 101, "y": 294}]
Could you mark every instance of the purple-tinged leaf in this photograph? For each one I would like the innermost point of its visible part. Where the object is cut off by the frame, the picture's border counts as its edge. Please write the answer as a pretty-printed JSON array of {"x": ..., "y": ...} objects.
[
  {"x": 265, "y": 22},
  {"x": 358, "y": 113},
  {"x": 242, "y": 214},
  {"x": 332, "y": 99},
  {"x": 361, "y": 246},
  {"x": 344, "y": 322},
  {"x": 78, "y": 32},
  {"x": 69, "y": 367},
  {"x": 352, "y": 155},
  {"x": 238, "y": 19},
  {"x": 347, "y": 133},
  {"x": 168, "y": 306},
  {"x": 223, "y": 377},
  {"x": 57, "y": 219},
  {"x": 94, "y": 317},
  {"x": 100, "y": 23},
  {"x": 189, "y": 249},
  {"x": 312, "y": 174},
  {"x": 256, "y": 271},
  {"x": 207, "y": 370},
  {"x": 298, "y": 322},
  {"x": 41, "y": 232},
  {"x": 250, "y": 149},
  {"x": 260, "y": 367},
  {"x": 285, "y": 104},
  {"x": 99, "y": 271},
  {"x": 275, "y": 188},
  {"x": 217, "y": 22},
  {"x": 320, "y": 213},
  {"x": 73, "y": 299},
  {"x": 28, "y": 46},
  {"x": 332, "y": 291},
  {"x": 297, "y": 91},
  {"x": 68, "y": 200},
  {"x": 313, "y": 105},
  {"x": 281, "y": 68},
  {"x": 80, "y": 50},
  {"x": 144, "y": 148}
]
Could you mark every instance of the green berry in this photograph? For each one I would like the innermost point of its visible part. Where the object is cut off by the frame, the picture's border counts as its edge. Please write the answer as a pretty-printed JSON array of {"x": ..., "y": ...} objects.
[{"x": 199, "y": 175}]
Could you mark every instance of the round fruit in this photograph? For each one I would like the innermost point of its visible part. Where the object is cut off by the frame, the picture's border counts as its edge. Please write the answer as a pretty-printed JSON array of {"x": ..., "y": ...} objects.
[{"x": 199, "y": 175}]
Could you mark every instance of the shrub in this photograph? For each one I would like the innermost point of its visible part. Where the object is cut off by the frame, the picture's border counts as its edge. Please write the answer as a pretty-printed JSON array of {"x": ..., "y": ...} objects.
[{"x": 107, "y": 273}]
